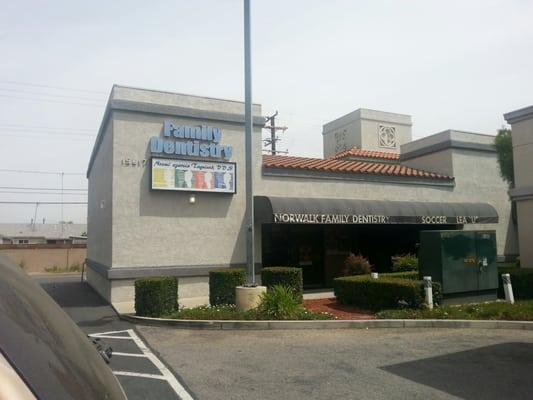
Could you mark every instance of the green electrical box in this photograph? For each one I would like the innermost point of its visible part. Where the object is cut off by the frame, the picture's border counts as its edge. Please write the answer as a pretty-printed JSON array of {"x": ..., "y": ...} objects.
[{"x": 464, "y": 262}]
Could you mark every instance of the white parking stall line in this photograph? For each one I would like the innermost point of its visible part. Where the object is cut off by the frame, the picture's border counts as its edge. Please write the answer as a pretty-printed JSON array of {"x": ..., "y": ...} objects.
[
  {"x": 111, "y": 337},
  {"x": 140, "y": 375},
  {"x": 171, "y": 379},
  {"x": 118, "y": 353},
  {"x": 108, "y": 333},
  {"x": 166, "y": 374}
]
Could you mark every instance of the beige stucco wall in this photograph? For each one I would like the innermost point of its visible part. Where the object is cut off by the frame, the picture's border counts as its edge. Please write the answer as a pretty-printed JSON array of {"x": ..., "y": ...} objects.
[
  {"x": 360, "y": 128},
  {"x": 525, "y": 232},
  {"x": 36, "y": 260},
  {"x": 157, "y": 228},
  {"x": 341, "y": 137},
  {"x": 440, "y": 161},
  {"x": 370, "y": 135},
  {"x": 100, "y": 205},
  {"x": 478, "y": 179},
  {"x": 522, "y": 135},
  {"x": 522, "y": 152}
]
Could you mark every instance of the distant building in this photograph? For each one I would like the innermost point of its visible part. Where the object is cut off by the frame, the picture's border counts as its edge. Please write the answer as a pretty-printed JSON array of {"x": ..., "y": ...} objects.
[{"x": 26, "y": 234}]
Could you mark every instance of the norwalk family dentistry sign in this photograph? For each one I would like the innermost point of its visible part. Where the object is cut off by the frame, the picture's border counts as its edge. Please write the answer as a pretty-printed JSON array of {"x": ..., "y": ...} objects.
[
  {"x": 194, "y": 141},
  {"x": 302, "y": 218},
  {"x": 289, "y": 218}
]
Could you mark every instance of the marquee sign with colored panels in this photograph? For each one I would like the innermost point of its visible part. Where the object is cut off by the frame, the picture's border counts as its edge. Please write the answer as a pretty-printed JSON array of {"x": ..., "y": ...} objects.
[{"x": 193, "y": 176}]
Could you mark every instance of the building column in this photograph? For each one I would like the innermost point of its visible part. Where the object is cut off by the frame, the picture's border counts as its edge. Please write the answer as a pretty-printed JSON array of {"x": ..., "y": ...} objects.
[{"x": 522, "y": 132}]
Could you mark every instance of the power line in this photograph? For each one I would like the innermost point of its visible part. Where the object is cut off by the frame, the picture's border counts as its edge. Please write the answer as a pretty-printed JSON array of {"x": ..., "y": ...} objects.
[
  {"x": 41, "y": 137},
  {"x": 52, "y": 101},
  {"x": 43, "y": 202},
  {"x": 51, "y": 87},
  {"x": 20, "y": 171},
  {"x": 49, "y": 133},
  {"x": 41, "y": 188},
  {"x": 49, "y": 128},
  {"x": 55, "y": 194},
  {"x": 49, "y": 94}
]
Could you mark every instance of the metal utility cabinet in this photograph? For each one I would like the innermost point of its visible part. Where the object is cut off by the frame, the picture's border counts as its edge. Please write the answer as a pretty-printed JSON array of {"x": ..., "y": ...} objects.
[{"x": 464, "y": 262}]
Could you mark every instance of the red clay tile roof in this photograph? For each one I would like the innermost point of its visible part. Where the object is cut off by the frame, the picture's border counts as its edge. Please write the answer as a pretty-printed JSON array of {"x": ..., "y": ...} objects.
[
  {"x": 357, "y": 152},
  {"x": 348, "y": 166}
]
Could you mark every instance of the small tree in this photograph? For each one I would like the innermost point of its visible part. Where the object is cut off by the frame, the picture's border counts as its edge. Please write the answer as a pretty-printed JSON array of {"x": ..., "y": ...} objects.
[
  {"x": 504, "y": 150},
  {"x": 356, "y": 265},
  {"x": 405, "y": 262}
]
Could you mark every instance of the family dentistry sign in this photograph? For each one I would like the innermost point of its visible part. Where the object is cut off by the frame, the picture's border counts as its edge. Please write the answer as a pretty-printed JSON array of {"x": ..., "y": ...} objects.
[
  {"x": 194, "y": 141},
  {"x": 302, "y": 218}
]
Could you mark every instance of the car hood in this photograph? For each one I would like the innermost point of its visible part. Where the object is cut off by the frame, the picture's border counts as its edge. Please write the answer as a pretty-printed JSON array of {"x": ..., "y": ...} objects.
[{"x": 51, "y": 354}]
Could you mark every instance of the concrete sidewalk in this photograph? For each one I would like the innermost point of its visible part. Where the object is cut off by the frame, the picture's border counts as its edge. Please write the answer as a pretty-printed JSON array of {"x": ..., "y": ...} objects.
[
  {"x": 141, "y": 372},
  {"x": 90, "y": 311}
]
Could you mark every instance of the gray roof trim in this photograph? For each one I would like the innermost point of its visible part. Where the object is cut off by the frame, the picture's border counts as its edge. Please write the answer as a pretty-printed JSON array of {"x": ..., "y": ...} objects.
[
  {"x": 100, "y": 136},
  {"x": 149, "y": 271},
  {"x": 357, "y": 114},
  {"x": 519, "y": 115},
  {"x": 351, "y": 176},
  {"x": 521, "y": 193},
  {"x": 448, "y": 144},
  {"x": 398, "y": 211},
  {"x": 181, "y": 94},
  {"x": 151, "y": 108}
]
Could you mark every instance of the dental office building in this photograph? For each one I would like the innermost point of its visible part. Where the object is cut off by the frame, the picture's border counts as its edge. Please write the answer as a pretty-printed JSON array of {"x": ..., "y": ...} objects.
[{"x": 167, "y": 193}]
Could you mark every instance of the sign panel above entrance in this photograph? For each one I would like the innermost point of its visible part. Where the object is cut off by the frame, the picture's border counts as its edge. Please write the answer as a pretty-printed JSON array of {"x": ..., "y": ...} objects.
[{"x": 292, "y": 210}]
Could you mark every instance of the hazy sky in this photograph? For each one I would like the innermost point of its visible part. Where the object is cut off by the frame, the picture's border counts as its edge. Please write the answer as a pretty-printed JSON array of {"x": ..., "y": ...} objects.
[{"x": 449, "y": 64}]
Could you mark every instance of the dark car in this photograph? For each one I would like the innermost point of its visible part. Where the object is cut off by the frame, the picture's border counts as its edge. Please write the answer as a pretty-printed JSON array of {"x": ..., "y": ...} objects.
[{"x": 43, "y": 354}]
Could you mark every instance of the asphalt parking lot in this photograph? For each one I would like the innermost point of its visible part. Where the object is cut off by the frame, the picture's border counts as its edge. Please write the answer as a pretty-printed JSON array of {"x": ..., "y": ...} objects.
[
  {"x": 350, "y": 364},
  {"x": 166, "y": 363},
  {"x": 142, "y": 372}
]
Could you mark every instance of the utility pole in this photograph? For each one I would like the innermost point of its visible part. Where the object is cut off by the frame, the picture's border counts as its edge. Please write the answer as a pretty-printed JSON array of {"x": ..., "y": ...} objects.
[
  {"x": 271, "y": 142},
  {"x": 248, "y": 148},
  {"x": 62, "y": 216},
  {"x": 35, "y": 216}
]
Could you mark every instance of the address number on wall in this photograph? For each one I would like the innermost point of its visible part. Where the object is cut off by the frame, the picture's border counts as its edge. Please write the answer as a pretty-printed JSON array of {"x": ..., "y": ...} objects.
[{"x": 131, "y": 162}]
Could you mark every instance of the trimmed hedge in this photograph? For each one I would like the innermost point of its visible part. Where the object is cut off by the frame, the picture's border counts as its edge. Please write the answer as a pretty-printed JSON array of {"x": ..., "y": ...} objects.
[
  {"x": 411, "y": 275},
  {"x": 155, "y": 297},
  {"x": 222, "y": 283},
  {"x": 382, "y": 293},
  {"x": 284, "y": 276},
  {"x": 521, "y": 280}
]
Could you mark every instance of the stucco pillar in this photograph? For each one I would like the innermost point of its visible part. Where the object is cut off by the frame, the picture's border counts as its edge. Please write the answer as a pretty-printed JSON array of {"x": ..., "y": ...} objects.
[{"x": 522, "y": 127}]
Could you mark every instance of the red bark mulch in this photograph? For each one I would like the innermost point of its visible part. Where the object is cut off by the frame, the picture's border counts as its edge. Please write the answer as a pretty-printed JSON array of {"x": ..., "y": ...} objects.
[{"x": 341, "y": 311}]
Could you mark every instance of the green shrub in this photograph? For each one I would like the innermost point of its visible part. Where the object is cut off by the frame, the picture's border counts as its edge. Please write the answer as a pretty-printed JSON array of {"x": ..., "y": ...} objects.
[
  {"x": 521, "y": 280},
  {"x": 222, "y": 283},
  {"x": 279, "y": 302},
  {"x": 356, "y": 265},
  {"x": 155, "y": 297},
  {"x": 520, "y": 311},
  {"x": 384, "y": 292},
  {"x": 284, "y": 276},
  {"x": 230, "y": 312},
  {"x": 412, "y": 275},
  {"x": 405, "y": 262}
]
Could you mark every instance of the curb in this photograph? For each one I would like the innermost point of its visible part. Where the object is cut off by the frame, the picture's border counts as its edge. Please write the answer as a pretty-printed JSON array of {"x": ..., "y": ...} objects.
[{"x": 328, "y": 324}]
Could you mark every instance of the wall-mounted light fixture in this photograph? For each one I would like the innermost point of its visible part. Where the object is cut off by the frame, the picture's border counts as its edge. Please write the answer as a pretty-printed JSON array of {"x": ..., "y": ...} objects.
[{"x": 192, "y": 199}]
